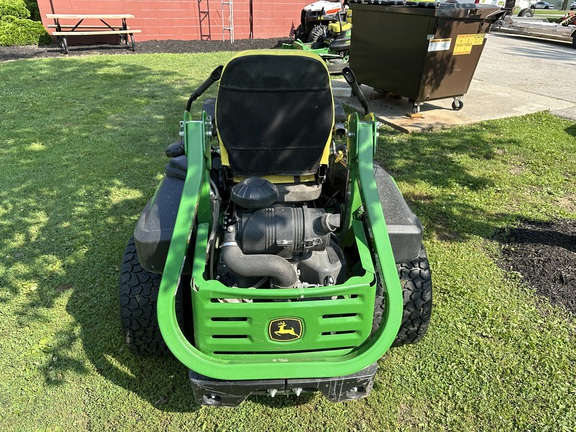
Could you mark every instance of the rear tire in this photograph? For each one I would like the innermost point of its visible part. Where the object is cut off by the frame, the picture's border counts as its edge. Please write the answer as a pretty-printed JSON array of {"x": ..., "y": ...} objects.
[
  {"x": 138, "y": 298},
  {"x": 318, "y": 33},
  {"x": 416, "y": 282}
]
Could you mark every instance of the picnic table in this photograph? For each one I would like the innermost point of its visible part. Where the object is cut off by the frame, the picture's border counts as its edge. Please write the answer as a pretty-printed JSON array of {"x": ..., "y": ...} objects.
[{"x": 66, "y": 25}]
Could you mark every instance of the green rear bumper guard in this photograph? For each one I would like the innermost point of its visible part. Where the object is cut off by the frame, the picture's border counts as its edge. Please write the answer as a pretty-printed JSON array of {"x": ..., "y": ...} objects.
[{"x": 257, "y": 354}]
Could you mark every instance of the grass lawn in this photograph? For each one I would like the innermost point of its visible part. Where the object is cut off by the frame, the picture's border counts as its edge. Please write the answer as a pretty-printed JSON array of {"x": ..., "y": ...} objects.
[{"x": 81, "y": 151}]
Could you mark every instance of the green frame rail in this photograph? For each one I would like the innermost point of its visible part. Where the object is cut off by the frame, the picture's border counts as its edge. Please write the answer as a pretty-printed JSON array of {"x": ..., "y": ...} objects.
[{"x": 375, "y": 251}]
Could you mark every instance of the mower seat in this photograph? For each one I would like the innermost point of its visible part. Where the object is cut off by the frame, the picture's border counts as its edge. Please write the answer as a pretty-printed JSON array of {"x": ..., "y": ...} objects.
[{"x": 275, "y": 114}]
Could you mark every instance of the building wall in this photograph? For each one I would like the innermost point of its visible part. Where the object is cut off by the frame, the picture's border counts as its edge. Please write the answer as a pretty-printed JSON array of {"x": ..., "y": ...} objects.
[{"x": 180, "y": 19}]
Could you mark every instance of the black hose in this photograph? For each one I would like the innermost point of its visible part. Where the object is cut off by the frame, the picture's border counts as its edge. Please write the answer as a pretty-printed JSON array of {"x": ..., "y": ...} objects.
[{"x": 273, "y": 266}]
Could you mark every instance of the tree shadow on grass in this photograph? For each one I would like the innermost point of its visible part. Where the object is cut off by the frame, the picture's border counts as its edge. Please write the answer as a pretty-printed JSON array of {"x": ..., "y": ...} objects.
[
  {"x": 78, "y": 179},
  {"x": 434, "y": 161}
]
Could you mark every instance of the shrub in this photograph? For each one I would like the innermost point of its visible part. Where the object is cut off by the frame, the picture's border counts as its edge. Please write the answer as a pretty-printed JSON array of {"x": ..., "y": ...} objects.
[
  {"x": 16, "y": 28},
  {"x": 18, "y": 31},
  {"x": 15, "y": 8},
  {"x": 32, "y": 6}
]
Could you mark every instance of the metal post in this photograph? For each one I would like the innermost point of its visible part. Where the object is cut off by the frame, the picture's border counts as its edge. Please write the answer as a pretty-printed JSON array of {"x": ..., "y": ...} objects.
[{"x": 230, "y": 26}]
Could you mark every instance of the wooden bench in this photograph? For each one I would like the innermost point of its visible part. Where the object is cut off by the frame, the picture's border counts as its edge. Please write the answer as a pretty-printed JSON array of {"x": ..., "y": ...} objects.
[
  {"x": 80, "y": 26},
  {"x": 79, "y": 29}
]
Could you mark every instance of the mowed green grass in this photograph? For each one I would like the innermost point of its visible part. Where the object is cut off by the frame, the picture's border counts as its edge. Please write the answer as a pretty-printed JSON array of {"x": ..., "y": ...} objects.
[{"x": 81, "y": 151}]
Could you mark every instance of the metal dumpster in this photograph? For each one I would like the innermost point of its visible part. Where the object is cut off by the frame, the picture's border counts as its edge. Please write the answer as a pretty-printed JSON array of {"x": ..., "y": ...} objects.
[{"x": 422, "y": 51}]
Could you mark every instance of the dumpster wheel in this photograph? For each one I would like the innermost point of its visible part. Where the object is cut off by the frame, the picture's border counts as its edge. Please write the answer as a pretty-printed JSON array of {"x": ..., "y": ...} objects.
[
  {"x": 416, "y": 107},
  {"x": 457, "y": 104}
]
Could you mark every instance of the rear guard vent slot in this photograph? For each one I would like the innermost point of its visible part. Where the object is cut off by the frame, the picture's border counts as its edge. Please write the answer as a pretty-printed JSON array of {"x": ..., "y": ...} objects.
[
  {"x": 339, "y": 332},
  {"x": 230, "y": 336},
  {"x": 347, "y": 315},
  {"x": 229, "y": 319}
]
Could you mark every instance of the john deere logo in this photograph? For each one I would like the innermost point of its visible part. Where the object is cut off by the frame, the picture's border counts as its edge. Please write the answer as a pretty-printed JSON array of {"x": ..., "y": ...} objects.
[{"x": 285, "y": 329}]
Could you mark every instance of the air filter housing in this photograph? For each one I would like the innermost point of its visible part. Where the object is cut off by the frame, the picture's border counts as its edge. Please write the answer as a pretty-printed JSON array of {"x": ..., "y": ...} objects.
[{"x": 254, "y": 192}]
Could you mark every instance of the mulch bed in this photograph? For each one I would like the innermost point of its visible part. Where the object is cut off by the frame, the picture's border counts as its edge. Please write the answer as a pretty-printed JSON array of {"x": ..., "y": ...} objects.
[
  {"x": 544, "y": 254},
  {"x": 146, "y": 47}
]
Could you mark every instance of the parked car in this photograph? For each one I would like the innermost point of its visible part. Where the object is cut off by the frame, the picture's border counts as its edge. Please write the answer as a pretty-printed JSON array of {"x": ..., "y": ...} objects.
[
  {"x": 573, "y": 5},
  {"x": 542, "y": 5}
]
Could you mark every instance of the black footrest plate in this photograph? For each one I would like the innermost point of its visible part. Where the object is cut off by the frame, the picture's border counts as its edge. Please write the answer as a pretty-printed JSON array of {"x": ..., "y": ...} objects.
[{"x": 213, "y": 392}]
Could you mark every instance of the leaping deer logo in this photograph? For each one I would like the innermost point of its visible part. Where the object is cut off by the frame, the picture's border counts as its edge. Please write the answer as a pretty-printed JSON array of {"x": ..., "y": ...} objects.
[
  {"x": 285, "y": 329},
  {"x": 282, "y": 330}
]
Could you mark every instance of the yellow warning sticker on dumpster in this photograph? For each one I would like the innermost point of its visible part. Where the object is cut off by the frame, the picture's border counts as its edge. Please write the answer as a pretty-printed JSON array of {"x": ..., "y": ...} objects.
[{"x": 465, "y": 42}]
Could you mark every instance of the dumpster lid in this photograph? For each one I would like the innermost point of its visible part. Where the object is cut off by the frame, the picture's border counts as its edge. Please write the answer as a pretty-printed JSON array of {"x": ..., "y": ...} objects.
[
  {"x": 450, "y": 8},
  {"x": 429, "y": 4}
]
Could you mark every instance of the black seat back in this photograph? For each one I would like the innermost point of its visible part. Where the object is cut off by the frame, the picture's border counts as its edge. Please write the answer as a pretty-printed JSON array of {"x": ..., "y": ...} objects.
[{"x": 274, "y": 113}]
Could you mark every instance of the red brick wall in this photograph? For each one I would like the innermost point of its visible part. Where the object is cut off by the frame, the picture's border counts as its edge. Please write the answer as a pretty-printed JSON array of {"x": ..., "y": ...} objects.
[{"x": 179, "y": 19}]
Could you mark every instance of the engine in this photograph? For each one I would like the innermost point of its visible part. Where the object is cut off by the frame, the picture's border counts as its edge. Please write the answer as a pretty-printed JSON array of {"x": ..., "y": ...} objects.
[{"x": 271, "y": 240}]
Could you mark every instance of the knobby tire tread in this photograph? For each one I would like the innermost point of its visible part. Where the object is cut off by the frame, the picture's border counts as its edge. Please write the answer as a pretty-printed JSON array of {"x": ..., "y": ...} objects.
[
  {"x": 138, "y": 299},
  {"x": 416, "y": 282}
]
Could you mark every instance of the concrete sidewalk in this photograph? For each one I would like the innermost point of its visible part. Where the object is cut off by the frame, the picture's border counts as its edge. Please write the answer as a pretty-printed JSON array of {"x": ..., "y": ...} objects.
[{"x": 515, "y": 76}]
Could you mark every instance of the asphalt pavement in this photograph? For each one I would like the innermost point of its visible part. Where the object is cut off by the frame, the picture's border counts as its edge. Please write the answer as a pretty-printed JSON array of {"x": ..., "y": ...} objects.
[{"x": 515, "y": 76}]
